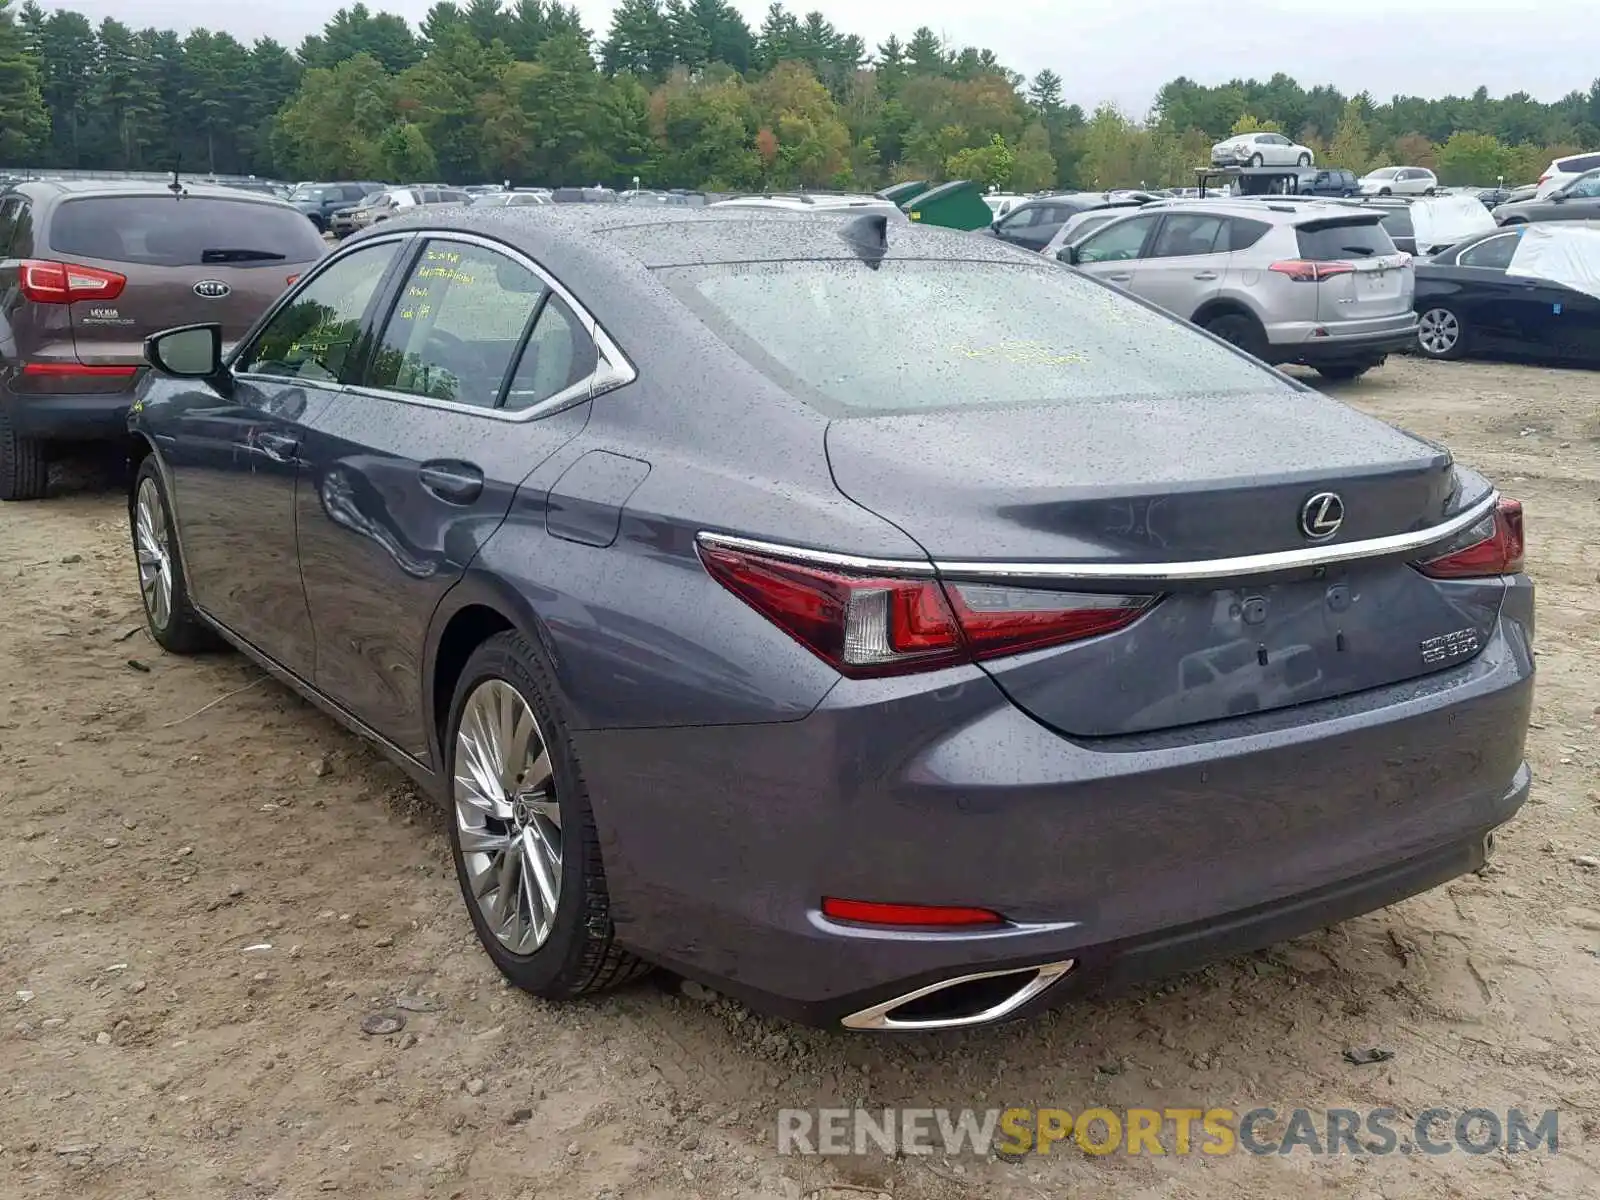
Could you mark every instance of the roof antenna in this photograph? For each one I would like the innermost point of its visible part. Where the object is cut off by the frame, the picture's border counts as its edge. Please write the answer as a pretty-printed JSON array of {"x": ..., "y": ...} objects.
[{"x": 868, "y": 235}]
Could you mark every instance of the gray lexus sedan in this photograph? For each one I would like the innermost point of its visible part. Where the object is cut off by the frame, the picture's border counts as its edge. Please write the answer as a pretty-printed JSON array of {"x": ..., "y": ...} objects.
[{"x": 880, "y": 624}]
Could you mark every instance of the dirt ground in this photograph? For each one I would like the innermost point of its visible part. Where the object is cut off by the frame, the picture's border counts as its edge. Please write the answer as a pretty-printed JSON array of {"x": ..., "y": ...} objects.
[{"x": 205, "y": 886}]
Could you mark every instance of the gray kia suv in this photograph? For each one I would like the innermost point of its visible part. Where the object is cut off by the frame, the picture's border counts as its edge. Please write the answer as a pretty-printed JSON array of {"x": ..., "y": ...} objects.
[{"x": 1289, "y": 282}]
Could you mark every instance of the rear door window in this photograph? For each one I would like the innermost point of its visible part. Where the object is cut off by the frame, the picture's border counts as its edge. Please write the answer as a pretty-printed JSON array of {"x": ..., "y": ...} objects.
[
  {"x": 1329, "y": 241},
  {"x": 456, "y": 326},
  {"x": 1492, "y": 254},
  {"x": 160, "y": 231},
  {"x": 1187, "y": 234},
  {"x": 315, "y": 336}
]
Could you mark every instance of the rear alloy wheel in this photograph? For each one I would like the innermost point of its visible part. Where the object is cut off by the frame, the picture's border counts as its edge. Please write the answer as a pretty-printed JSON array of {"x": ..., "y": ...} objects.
[
  {"x": 24, "y": 467},
  {"x": 172, "y": 620},
  {"x": 1239, "y": 330},
  {"x": 1257, "y": 160},
  {"x": 526, "y": 850},
  {"x": 1440, "y": 334}
]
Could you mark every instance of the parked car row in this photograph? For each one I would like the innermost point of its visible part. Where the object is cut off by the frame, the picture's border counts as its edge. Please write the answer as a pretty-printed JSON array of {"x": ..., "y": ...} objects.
[{"x": 641, "y": 502}]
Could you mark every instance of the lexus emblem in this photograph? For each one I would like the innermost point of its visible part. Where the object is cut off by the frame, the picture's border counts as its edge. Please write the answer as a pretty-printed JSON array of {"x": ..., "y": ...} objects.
[
  {"x": 212, "y": 289},
  {"x": 1321, "y": 516}
]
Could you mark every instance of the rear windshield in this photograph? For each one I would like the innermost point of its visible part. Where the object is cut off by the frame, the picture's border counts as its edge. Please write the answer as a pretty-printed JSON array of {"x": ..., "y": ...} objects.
[
  {"x": 1326, "y": 241},
  {"x": 922, "y": 334},
  {"x": 160, "y": 231}
]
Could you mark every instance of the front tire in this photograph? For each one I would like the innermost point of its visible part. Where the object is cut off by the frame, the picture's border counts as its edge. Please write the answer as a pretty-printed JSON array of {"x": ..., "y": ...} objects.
[
  {"x": 24, "y": 465},
  {"x": 171, "y": 619},
  {"x": 1441, "y": 334},
  {"x": 1257, "y": 160},
  {"x": 522, "y": 832}
]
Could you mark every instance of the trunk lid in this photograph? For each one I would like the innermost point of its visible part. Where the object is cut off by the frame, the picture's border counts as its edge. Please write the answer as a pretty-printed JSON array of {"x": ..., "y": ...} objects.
[
  {"x": 1114, "y": 483},
  {"x": 186, "y": 260}
]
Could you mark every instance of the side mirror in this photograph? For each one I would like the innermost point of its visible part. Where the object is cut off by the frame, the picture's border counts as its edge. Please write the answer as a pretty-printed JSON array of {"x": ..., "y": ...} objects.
[
  {"x": 1068, "y": 255},
  {"x": 188, "y": 352},
  {"x": 1558, "y": 197}
]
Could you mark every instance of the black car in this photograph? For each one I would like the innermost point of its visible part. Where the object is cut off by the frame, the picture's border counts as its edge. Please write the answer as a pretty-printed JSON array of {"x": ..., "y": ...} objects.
[
  {"x": 1577, "y": 201},
  {"x": 1033, "y": 223},
  {"x": 1468, "y": 302}
]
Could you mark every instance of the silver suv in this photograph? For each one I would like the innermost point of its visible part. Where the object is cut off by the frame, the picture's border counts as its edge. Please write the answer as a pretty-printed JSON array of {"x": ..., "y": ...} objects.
[{"x": 1288, "y": 281}]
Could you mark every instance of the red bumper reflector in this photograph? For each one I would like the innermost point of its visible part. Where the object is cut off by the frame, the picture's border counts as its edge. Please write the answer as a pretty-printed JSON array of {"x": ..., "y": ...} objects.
[
  {"x": 79, "y": 369},
  {"x": 867, "y": 912}
]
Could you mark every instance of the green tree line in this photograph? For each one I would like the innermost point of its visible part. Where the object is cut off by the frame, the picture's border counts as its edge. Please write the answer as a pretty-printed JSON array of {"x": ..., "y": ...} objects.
[{"x": 679, "y": 93}]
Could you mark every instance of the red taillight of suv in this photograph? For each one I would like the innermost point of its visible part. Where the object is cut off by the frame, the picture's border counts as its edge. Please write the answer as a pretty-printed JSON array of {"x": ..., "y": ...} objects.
[
  {"x": 64, "y": 283},
  {"x": 1494, "y": 546},
  {"x": 1304, "y": 270},
  {"x": 875, "y": 625}
]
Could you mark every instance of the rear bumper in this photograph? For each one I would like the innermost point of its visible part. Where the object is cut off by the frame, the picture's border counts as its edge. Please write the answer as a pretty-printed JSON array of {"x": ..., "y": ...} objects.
[
  {"x": 1132, "y": 856},
  {"x": 69, "y": 416},
  {"x": 1347, "y": 341}
]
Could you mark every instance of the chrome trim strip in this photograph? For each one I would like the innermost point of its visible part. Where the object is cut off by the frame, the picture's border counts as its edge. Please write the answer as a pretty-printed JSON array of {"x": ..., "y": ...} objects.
[
  {"x": 1223, "y": 568},
  {"x": 1177, "y": 572},
  {"x": 821, "y": 558},
  {"x": 880, "y": 1016}
]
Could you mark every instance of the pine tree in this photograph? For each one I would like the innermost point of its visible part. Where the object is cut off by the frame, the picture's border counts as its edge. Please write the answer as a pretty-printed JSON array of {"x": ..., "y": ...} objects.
[{"x": 24, "y": 120}]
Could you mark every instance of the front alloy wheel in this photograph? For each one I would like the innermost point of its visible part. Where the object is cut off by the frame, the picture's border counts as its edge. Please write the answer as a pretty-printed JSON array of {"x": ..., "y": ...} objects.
[
  {"x": 150, "y": 545},
  {"x": 1439, "y": 333},
  {"x": 508, "y": 819}
]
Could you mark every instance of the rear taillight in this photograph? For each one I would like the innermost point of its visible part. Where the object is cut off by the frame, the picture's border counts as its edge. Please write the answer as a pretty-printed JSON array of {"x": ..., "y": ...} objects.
[
  {"x": 1494, "y": 546},
  {"x": 1544, "y": 177},
  {"x": 64, "y": 283},
  {"x": 875, "y": 625},
  {"x": 1303, "y": 270},
  {"x": 291, "y": 280}
]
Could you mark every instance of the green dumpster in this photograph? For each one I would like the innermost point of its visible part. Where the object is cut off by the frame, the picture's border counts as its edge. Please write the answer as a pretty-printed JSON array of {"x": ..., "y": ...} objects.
[
  {"x": 954, "y": 205},
  {"x": 901, "y": 193}
]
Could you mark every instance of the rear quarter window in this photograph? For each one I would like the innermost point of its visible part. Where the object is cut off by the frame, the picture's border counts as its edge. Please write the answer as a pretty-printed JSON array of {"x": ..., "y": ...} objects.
[
  {"x": 1242, "y": 233},
  {"x": 160, "y": 231},
  {"x": 1579, "y": 163},
  {"x": 1328, "y": 241}
]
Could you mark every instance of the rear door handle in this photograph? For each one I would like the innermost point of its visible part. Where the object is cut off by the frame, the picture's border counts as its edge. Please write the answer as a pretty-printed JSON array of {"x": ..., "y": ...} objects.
[
  {"x": 452, "y": 482},
  {"x": 1120, "y": 277},
  {"x": 279, "y": 447},
  {"x": 1205, "y": 274}
]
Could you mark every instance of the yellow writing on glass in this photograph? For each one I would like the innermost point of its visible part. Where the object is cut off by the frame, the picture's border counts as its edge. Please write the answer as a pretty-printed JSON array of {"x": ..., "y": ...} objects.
[{"x": 1026, "y": 354}]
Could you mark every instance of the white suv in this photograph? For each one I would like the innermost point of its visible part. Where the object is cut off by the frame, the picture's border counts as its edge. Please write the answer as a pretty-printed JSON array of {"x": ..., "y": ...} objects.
[
  {"x": 1399, "y": 181},
  {"x": 1563, "y": 171}
]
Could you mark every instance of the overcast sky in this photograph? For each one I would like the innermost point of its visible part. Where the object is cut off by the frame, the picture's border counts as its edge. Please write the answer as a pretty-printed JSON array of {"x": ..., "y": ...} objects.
[{"x": 1120, "y": 50}]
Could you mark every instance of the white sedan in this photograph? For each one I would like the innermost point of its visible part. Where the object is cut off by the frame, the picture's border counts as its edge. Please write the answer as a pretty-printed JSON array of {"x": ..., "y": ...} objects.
[
  {"x": 1261, "y": 150},
  {"x": 1399, "y": 181}
]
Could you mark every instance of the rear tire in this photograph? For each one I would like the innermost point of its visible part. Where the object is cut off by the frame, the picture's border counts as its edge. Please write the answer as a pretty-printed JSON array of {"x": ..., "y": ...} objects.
[
  {"x": 1343, "y": 372},
  {"x": 1241, "y": 331},
  {"x": 1441, "y": 334},
  {"x": 1256, "y": 160},
  {"x": 24, "y": 465},
  {"x": 525, "y": 800}
]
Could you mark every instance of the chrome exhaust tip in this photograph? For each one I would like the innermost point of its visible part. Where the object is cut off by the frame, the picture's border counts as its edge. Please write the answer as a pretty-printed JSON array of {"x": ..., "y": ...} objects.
[{"x": 960, "y": 1002}]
